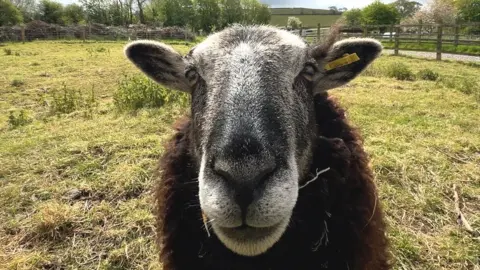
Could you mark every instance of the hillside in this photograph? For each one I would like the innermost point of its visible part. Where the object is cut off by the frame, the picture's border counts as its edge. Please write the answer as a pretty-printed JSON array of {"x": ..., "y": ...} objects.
[
  {"x": 309, "y": 17},
  {"x": 300, "y": 11}
]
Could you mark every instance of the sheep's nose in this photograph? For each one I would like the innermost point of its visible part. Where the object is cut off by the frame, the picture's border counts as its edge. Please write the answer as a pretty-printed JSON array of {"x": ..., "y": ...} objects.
[
  {"x": 246, "y": 181},
  {"x": 244, "y": 167}
]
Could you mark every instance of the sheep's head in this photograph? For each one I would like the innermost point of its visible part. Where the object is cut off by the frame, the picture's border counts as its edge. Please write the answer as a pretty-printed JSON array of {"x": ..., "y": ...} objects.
[{"x": 253, "y": 120}]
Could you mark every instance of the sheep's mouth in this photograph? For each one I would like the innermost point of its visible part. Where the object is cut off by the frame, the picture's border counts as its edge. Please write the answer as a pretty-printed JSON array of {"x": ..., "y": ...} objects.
[
  {"x": 247, "y": 233},
  {"x": 248, "y": 240}
]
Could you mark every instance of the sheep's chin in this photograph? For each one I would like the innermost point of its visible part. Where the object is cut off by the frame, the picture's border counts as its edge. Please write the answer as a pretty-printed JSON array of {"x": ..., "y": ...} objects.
[{"x": 254, "y": 245}]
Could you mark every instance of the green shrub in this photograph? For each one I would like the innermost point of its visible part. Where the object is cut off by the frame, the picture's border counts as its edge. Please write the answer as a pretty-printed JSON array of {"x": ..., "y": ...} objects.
[
  {"x": 136, "y": 92},
  {"x": 400, "y": 71},
  {"x": 68, "y": 100},
  {"x": 101, "y": 49},
  {"x": 18, "y": 119},
  {"x": 464, "y": 85},
  {"x": 428, "y": 75},
  {"x": 17, "y": 82},
  {"x": 7, "y": 51},
  {"x": 467, "y": 86},
  {"x": 98, "y": 50}
]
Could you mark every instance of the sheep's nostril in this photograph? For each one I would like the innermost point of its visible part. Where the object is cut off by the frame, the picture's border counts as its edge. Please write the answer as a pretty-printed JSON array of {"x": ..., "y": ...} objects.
[
  {"x": 246, "y": 179},
  {"x": 264, "y": 175},
  {"x": 222, "y": 171}
]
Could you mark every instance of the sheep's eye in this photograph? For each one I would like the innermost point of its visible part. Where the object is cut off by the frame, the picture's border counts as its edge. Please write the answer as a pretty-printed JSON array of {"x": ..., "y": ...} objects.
[
  {"x": 309, "y": 71},
  {"x": 192, "y": 76}
]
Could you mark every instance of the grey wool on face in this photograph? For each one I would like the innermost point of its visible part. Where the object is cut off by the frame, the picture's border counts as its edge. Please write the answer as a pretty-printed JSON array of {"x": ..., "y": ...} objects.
[{"x": 252, "y": 93}]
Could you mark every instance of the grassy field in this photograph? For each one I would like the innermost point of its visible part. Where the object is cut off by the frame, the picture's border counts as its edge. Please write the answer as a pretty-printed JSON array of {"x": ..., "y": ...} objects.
[
  {"x": 307, "y": 20},
  {"x": 75, "y": 184},
  {"x": 431, "y": 47}
]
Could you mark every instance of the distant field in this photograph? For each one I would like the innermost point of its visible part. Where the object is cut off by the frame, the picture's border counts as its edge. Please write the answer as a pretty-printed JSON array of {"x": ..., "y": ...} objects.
[
  {"x": 75, "y": 188},
  {"x": 307, "y": 20},
  {"x": 299, "y": 11}
]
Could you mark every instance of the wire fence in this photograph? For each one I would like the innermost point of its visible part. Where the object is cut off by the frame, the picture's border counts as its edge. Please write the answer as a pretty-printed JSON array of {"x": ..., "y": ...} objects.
[{"x": 38, "y": 30}]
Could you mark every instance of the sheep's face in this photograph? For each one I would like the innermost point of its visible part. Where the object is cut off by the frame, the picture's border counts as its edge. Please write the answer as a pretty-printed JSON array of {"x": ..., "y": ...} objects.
[{"x": 253, "y": 123}]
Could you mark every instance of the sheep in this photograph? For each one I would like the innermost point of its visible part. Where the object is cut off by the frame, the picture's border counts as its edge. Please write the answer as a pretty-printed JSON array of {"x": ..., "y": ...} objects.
[{"x": 265, "y": 172}]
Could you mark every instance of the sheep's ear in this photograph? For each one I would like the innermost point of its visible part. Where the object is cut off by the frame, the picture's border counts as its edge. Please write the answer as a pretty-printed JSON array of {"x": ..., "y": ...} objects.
[
  {"x": 344, "y": 61},
  {"x": 159, "y": 62}
]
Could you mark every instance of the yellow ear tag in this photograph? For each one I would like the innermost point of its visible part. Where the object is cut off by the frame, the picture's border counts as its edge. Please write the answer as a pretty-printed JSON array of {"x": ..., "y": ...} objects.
[{"x": 347, "y": 59}]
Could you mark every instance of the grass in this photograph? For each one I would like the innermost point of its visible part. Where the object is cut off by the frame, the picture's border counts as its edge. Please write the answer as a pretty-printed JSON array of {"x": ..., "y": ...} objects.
[
  {"x": 75, "y": 191},
  {"x": 431, "y": 47}
]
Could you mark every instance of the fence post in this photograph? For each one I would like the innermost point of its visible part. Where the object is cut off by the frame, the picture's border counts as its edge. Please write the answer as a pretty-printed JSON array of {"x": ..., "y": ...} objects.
[
  {"x": 365, "y": 31},
  {"x": 301, "y": 31},
  {"x": 84, "y": 33},
  {"x": 23, "y": 34},
  {"x": 397, "y": 40},
  {"x": 457, "y": 30},
  {"x": 420, "y": 26},
  {"x": 318, "y": 32},
  {"x": 439, "y": 41},
  {"x": 391, "y": 32}
]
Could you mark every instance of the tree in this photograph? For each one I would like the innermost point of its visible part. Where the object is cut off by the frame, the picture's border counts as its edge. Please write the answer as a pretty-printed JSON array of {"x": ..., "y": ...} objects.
[
  {"x": 51, "y": 12},
  {"x": 294, "y": 23},
  {"x": 379, "y": 13},
  {"x": 263, "y": 14},
  {"x": 141, "y": 14},
  {"x": 27, "y": 8},
  {"x": 96, "y": 10},
  {"x": 178, "y": 12},
  {"x": 9, "y": 14},
  {"x": 231, "y": 12},
  {"x": 249, "y": 10},
  {"x": 435, "y": 11},
  {"x": 153, "y": 12},
  {"x": 73, "y": 14},
  {"x": 353, "y": 17},
  {"x": 207, "y": 15},
  {"x": 406, "y": 8},
  {"x": 333, "y": 9},
  {"x": 468, "y": 10}
]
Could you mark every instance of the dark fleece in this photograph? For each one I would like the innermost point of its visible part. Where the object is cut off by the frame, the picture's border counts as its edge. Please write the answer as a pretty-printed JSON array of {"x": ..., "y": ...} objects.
[{"x": 337, "y": 222}]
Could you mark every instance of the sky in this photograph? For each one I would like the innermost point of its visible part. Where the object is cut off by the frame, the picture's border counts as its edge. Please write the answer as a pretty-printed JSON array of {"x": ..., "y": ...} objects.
[{"x": 321, "y": 3}]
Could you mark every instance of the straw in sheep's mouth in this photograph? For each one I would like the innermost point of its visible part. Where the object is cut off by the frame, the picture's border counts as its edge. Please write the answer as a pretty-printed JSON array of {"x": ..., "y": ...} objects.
[{"x": 205, "y": 223}]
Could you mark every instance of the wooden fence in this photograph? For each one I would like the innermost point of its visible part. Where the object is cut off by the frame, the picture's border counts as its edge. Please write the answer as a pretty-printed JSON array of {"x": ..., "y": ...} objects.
[{"x": 436, "y": 35}]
